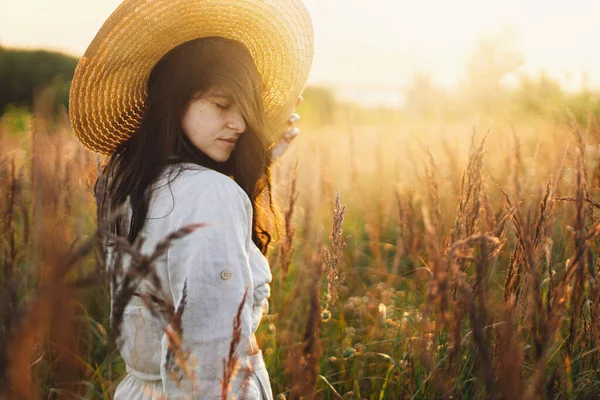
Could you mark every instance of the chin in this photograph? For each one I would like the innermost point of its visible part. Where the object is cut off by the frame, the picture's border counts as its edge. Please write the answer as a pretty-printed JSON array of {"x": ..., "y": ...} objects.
[{"x": 221, "y": 158}]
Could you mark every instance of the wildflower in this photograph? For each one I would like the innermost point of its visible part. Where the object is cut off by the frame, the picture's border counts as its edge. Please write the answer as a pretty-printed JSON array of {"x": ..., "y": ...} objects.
[{"x": 382, "y": 312}]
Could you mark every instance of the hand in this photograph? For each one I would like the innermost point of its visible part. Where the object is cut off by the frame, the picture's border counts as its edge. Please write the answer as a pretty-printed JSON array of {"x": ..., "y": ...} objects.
[
  {"x": 288, "y": 136},
  {"x": 254, "y": 348}
]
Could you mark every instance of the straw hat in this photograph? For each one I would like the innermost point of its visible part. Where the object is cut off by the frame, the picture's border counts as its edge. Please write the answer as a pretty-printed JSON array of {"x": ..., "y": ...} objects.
[{"x": 109, "y": 86}]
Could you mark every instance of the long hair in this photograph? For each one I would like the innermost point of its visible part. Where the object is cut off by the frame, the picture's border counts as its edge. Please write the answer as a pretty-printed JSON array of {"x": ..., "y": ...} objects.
[{"x": 184, "y": 74}]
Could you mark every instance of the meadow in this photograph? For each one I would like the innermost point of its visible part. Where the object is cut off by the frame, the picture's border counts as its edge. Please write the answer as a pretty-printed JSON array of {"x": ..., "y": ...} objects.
[{"x": 418, "y": 259}]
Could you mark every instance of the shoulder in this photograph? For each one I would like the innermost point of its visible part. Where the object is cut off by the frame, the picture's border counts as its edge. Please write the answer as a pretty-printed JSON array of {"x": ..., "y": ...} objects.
[
  {"x": 202, "y": 191},
  {"x": 204, "y": 182}
]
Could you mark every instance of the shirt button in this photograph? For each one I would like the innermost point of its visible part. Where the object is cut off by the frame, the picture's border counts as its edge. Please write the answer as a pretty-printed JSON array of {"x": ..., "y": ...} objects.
[{"x": 225, "y": 274}]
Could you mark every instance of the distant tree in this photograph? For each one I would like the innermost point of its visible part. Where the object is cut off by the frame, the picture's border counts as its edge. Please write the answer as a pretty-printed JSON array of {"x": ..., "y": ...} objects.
[
  {"x": 539, "y": 95},
  {"x": 543, "y": 96},
  {"x": 423, "y": 97},
  {"x": 23, "y": 73},
  {"x": 493, "y": 60}
]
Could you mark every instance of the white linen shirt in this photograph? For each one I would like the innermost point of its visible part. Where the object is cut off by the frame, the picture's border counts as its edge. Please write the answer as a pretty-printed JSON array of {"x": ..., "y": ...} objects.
[{"x": 219, "y": 261}]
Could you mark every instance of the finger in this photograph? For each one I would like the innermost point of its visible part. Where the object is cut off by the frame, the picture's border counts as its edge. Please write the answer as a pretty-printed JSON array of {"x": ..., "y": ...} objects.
[
  {"x": 291, "y": 134},
  {"x": 293, "y": 119},
  {"x": 279, "y": 149}
]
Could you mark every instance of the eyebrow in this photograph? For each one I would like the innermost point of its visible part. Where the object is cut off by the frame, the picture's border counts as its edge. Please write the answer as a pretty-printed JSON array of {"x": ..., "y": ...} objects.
[{"x": 221, "y": 96}]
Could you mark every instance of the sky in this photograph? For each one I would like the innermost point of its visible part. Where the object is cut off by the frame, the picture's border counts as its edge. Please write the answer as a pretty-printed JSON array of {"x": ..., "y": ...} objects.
[{"x": 374, "y": 46}]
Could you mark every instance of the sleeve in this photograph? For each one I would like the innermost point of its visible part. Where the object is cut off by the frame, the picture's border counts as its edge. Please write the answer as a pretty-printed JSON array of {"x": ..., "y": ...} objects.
[
  {"x": 261, "y": 276},
  {"x": 213, "y": 264}
]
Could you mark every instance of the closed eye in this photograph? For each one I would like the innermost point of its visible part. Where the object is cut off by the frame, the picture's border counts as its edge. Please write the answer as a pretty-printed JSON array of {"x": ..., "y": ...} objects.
[{"x": 222, "y": 106}]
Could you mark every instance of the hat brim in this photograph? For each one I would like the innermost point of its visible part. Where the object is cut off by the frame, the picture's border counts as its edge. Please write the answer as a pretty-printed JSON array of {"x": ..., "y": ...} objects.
[{"x": 108, "y": 90}]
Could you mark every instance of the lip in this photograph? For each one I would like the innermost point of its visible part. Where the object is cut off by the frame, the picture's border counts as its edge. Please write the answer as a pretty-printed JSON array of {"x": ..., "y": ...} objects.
[{"x": 229, "y": 143}]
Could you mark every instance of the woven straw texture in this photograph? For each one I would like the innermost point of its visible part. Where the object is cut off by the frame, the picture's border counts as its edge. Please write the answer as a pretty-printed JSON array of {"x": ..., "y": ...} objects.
[{"x": 109, "y": 86}]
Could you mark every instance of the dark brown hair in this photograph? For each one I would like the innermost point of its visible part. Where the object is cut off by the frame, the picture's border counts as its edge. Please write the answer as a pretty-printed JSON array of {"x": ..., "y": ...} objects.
[{"x": 191, "y": 70}]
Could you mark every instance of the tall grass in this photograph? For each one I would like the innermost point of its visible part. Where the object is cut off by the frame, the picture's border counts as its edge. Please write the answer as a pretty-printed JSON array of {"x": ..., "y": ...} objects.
[{"x": 416, "y": 261}]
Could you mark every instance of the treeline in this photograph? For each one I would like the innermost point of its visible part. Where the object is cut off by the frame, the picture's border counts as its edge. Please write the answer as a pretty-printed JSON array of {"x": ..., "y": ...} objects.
[
  {"x": 25, "y": 73},
  {"x": 494, "y": 84}
]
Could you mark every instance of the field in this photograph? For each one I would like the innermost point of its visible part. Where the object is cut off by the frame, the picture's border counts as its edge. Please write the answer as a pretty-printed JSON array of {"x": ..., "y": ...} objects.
[{"x": 419, "y": 259}]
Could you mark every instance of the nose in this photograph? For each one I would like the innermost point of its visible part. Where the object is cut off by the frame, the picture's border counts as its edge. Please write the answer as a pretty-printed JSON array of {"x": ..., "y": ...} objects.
[{"x": 237, "y": 122}]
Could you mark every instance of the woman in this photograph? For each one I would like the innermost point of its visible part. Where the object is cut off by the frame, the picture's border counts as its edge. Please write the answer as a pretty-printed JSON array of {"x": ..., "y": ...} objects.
[{"x": 187, "y": 99}]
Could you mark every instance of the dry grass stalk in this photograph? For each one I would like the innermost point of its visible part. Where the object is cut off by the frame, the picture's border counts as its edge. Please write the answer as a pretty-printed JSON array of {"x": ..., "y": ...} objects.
[
  {"x": 9, "y": 212},
  {"x": 571, "y": 198},
  {"x": 36, "y": 319},
  {"x": 453, "y": 164},
  {"x": 232, "y": 363},
  {"x": 142, "y": 269},
  {"x": 536, "y": 313},
  {"x": 308, "y": 227},
  {"x": 513, "y": 284},
  {"x": 286, "y": 248},
  {"x": 528, "y": 359},
  {"x": 409, "y": 241},
  {"x": 10, "y": 255},
  {"x": 42, "y": 326},
  {"x": 468, "y": 209},
  {"x": 544, "y": 217},
  {"x": 542, "y": 238},
  {"x": 480, "y": 284},
  {"x": 477, "y": 319},
  {"x": 434, "y": 196},
  {"x": 303, "y": 360},
  {"x": 465, "y": 224},
  {"x": 335, "y": 278},
  {"x": 526, "y": 254},
  {"x": 450, "y": 316},
  {"x": 581, "y": 247},
  {"x": 517, "y": 168},
  {"x": 553, "y": 311},
  {"x": 178, "y": 364},
  {"x": 438, "y": 308},
  {"x": 488, "y": 214},
  {"x": 509, "y": 355}
]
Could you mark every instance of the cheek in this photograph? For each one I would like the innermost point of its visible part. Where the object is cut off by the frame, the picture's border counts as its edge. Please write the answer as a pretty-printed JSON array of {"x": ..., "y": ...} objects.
[
  {"x": 192, "y": 122},
  {"x": 200, "y": 123},
  {"x": 186, "y": 124}
]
